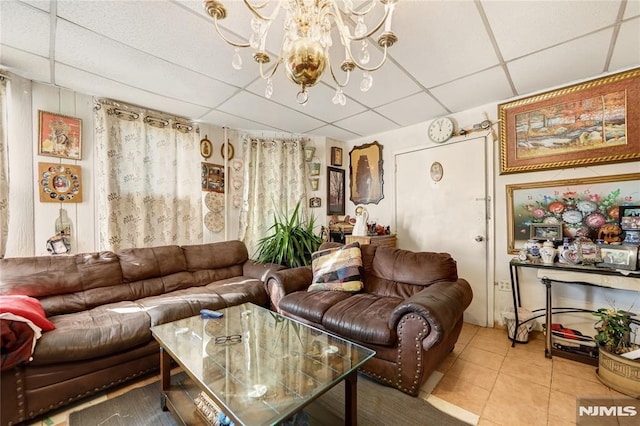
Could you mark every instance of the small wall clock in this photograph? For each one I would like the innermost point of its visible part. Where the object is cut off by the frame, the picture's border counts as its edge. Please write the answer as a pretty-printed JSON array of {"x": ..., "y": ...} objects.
[{"x": 441, "y": 129}]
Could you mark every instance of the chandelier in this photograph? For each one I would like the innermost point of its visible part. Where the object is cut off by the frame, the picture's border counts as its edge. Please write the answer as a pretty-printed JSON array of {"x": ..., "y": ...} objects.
[{"x": 304, "y": 51}]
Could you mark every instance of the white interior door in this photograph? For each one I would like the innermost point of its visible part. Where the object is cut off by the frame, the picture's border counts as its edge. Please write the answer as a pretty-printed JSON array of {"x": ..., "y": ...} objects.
[{"x": 449, "y": 215}]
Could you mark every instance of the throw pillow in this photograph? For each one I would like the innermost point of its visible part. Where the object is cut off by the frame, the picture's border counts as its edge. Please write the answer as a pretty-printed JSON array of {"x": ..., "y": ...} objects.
[
  {"x": 337, "y": 269},
  {"x": 28, "y": 308}
]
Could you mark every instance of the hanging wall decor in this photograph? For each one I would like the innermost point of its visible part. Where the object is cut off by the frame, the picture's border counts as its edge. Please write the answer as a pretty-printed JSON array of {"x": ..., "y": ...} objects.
[
  {"x": 206, "y": 148},
  {"x": 59, "y": 136},
  {"x": 365, "y": 172},
  {"x": 212, "y": 177},
  {"x": 59, "y": 183}
]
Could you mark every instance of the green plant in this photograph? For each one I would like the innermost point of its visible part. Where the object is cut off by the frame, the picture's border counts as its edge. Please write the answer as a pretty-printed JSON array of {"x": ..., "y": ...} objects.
[
  {"x": 614, "y": 330},
  {"x": 291, "y": 242}
]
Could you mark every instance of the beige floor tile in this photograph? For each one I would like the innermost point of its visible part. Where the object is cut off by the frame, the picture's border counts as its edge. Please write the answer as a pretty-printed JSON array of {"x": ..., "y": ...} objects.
[
  {"x": 576, "y": 369},
  {"x": 526, "y": 371},
  {"x": 474, "y": 373},
  {"x": 486, "y": 422},
  {"x": 562, "y": 406},
  {"x": 467, "y": 333},
  {"x": 556, "y": 421},
  {"x": 491, "y": 343},
  {"x": 446, "y": 363},
  {"x": 513, "y": 402},
  {"x": 577, "y": 385},
  {"x": 482, "y": 357},
  {"x": 462, "y": 393}
]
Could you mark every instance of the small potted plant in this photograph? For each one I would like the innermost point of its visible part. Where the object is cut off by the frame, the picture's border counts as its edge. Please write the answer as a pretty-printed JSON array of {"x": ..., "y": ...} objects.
[{"x": 614, "y": 338}]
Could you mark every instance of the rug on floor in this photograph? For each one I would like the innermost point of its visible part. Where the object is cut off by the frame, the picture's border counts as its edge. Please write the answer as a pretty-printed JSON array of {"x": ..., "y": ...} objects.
[{"x": 377, "y": 405}]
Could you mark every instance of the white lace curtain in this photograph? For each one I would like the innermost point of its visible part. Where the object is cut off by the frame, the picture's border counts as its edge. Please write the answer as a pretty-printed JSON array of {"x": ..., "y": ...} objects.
[
  {"x": 147, "y": 178},
  {"x": 4, "y": 172},
  {"x": 274, "y": 182}
]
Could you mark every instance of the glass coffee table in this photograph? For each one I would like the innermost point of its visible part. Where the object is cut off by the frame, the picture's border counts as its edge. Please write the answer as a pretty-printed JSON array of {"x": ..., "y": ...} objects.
[{"x": 256, "y": 366}]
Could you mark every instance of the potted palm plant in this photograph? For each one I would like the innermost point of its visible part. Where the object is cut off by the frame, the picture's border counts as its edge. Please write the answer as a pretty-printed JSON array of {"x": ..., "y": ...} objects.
[
  {"x": 291, "y": 242},
  {"x": 614, "y": 338}
]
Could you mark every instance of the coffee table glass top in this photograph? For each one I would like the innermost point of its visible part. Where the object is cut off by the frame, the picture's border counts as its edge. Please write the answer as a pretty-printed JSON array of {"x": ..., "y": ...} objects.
[{"x": 259, "y": 366}]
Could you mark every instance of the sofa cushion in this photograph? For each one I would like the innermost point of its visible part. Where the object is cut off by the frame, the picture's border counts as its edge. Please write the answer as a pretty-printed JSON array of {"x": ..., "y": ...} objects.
[
  {"x": 239, "y": 290},
  {"x": 150, "y": 262},
  {"x": 98, "y": 332},
  {"x": 311, "y": 306},
  {"x": 179, "y": 304},
  {"x": 337, "y": 269},
  {"x": 363, "y": 318}
]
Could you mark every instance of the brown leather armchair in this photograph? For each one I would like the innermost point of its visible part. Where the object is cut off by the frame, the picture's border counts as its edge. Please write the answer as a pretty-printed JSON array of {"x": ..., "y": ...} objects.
[{"x": 410, "y": 310}]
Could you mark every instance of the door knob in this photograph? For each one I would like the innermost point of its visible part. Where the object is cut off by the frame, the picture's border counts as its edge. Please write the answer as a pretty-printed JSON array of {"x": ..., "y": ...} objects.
[{"x": 479, "y": 238}]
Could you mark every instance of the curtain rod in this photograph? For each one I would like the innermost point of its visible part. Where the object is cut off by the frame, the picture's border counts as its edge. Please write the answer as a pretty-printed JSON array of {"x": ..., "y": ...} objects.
[{"x": 152, "y": 117}]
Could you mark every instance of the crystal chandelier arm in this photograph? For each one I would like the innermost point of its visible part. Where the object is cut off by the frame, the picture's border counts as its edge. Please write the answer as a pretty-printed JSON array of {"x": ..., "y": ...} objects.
[
  {"x": 222, "y": 36},
  {"x": 271, "y": 73},
  {"x": 254, "y": 10},
  {"x": 368, "y": 69},
  {"x": 335, "y": 79},
  {"x": 372, "y": 4}
]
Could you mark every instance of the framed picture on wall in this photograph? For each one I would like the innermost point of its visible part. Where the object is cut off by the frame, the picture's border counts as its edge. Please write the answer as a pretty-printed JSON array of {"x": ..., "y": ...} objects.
[
  {"x": 335, "y": 191},
  {"x": 212, "y": 177},
  {"x": 595, "y": 122},
  {"x": 365, "y": 174},
  {"x": 59, "y": 183},
  {"x": 59, "y": 136},
  {"x": 336, "y": 156}
]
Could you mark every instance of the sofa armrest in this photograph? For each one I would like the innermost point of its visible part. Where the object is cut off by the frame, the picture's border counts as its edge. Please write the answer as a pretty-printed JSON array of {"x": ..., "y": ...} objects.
[
  {"x": 259, "y": 271},
  {"x": 280, "y": 283},
  {"x": 441, "y": 305}
]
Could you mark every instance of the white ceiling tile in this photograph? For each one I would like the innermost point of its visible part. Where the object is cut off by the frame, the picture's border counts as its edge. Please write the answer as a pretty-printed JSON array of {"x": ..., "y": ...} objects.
[
  {"x": 44, "y": 5},
  {"x": 412, "y": 109},
  {"x": 523, "y": 27},
  {"x": 25, "y": 64},
  {"x": 335, "y": 133},
  {"x": 223, "y": 119},
  {"x": 92, "y": 84},
  {"x": 568, "y": 62},
  {"x": 192, "y": 43},
  {"x": 632, "y": 9},
  {"x": 367, "y": 123},
  {"x": 256, "y": 108},
  {"x": 440, "y": 41},
  {"x": 153, "y": 74},
  {"x": 627, "y": 48},
  {"x": 474, "y": 90},
  {"x": 24, "y": 27}
]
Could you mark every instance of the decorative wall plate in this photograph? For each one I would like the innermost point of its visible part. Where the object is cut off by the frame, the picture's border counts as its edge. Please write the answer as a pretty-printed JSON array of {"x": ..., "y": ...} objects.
[
  {"x": 237, "y": 183},
  {"x": 214, "y": 201},
  {"x": 227, "y": 151},
  {"x": 214, "y": 221},
  {"x": 237, "y": 201},
  {"x": 436, "y": 171},
  {"x": 60, "y": 183},
  {"x": 206, "y": 148},
  {"x": 237, "y": 165}
]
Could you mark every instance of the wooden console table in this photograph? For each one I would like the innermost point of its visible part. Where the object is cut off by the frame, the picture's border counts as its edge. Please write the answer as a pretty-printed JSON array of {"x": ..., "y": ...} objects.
[
  {"x": 567, "y": 274},
  {"x": 374, "y": 240}
]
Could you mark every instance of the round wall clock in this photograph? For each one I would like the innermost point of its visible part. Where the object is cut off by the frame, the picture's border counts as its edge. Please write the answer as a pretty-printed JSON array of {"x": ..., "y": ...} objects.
[
  {"x": 206, "y": 148},
  {"x": 441, "y": 129}
]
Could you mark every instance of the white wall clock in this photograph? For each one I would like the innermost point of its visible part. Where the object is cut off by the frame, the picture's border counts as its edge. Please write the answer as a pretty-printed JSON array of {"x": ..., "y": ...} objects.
[{"x": 441, "y": 129}]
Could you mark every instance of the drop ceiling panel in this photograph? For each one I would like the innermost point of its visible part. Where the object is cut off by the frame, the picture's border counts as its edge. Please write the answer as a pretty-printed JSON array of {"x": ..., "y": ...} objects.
[
  {"x": 335, "y": 133},
  {"x": 412, "y": 109},
  {"x": 233, "y": 122},
  {"x": 25, "y": 64},
  {"x": 256, "y": 108},
  {"x": 133, "y": 67},
  {"x": 627, "y": 49},
  {"x": 95, "y": 85},
  {"x": 632, "y": 9},
  {"x": 367, "y": 123},
  {"x": 568, "y": 62},
  {"x": 477, "y": 89},
  {"x": 442, "y": 40},
  {"x": 24, "y": 27},
  {"x": 523, "y": 27}
]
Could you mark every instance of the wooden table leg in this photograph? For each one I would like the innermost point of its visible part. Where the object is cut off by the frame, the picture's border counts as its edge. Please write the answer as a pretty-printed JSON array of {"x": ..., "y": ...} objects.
[
  {"x": 351, "y": 399},
  {"x": 165, "y": 369}
]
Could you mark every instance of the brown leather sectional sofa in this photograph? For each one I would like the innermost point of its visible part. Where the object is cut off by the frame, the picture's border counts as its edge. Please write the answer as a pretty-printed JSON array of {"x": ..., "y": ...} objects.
[
  {"x": 410, "y": 310},
  {"x": 103, "y": 304}
]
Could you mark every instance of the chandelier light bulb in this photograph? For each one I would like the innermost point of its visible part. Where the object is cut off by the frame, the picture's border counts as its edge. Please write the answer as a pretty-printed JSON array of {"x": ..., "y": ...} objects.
[{"x": 236, "y": 62}]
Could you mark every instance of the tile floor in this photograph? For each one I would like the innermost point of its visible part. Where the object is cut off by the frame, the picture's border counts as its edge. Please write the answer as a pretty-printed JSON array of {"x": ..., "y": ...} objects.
[{"x": 484, "y": 382}]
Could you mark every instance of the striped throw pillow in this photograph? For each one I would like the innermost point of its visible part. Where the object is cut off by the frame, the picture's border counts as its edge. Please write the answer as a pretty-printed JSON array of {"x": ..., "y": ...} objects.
[{"x": 337, "y": 269}]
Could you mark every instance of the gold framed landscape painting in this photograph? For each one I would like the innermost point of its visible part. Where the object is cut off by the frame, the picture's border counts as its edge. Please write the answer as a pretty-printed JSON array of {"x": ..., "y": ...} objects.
[{"x": 595, "y": 122}]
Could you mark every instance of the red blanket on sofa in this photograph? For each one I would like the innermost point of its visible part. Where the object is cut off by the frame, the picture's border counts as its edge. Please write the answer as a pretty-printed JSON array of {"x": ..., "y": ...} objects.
[{"x": 21, "y": 320}]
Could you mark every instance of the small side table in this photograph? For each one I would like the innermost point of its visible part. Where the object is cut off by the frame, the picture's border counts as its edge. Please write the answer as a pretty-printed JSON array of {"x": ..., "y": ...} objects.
[{"x": 374, "y": 240}]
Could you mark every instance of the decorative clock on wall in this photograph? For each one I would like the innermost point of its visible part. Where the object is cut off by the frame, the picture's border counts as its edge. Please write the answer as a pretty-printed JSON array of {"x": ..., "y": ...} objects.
[{"x": 441, "y": 129}]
